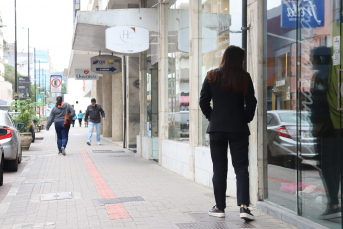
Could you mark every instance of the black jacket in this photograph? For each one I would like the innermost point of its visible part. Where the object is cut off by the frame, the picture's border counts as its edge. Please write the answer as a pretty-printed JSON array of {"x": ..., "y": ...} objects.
[
  {"x": 228, "y": 113},
  {"x": 94, "y": 113}
]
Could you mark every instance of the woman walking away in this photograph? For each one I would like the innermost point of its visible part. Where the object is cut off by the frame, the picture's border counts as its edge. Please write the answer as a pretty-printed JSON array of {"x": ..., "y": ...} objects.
[
  {"x": 231, "y": 89},
  {"x": 79, "y": 116},
  {"x": 57, "y": 115},
  {"x": 74, "y": 118}
]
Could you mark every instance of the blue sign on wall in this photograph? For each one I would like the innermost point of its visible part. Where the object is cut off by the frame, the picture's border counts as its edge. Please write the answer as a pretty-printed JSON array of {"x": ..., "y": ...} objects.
[{"x": 311, "y": 13}]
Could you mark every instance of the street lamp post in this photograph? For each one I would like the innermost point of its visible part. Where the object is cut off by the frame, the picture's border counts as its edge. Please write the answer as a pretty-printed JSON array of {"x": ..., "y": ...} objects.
[
  {"x": 28, "y": 59},
  {"x": 15, "y": 51},
  {"x": 34, "y": 75}
]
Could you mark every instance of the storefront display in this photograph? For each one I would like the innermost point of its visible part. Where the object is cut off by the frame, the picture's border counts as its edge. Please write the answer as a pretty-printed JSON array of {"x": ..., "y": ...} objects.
[
  {"x": 303, "y": 117},
  {"x": 220, "y": 27}
]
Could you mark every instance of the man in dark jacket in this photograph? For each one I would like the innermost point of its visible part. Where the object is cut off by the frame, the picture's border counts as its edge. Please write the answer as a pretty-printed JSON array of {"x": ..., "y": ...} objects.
[{"x": 93, "y": 112}]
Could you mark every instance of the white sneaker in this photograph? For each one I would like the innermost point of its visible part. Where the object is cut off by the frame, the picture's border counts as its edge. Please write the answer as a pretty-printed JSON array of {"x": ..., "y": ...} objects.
[
  {"x": 99, "y": 143},
  {"x": 63, "y": 151},
  {"x": 88, "y": 143}
]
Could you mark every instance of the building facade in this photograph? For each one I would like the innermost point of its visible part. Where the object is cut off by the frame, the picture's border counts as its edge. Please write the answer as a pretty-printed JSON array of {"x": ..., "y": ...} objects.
[{"x": 293, "y": 56}]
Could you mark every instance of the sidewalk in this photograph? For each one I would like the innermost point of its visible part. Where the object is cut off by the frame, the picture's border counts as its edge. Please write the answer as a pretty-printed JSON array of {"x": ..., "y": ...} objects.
[{"x": 139, "y": 193}]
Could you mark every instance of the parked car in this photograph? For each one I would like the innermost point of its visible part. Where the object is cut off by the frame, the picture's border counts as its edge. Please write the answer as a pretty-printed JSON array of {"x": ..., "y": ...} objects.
[
  {"x": 1, "y": 164},
  {"x": 10, "y": 141},
  {"x": 282, "y": 136}
]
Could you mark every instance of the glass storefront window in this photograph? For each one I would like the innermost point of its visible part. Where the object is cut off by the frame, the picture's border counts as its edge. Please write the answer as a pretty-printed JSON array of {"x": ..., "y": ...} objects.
[
  {"x": 221, "y": 22},
  {"x": 302, "y": 53},
  {"x": 178, "y": 65}
]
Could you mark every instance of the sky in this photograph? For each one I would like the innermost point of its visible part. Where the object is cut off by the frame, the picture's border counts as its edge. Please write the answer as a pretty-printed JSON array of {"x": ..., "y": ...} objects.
[{"x": 50, "y": 23}]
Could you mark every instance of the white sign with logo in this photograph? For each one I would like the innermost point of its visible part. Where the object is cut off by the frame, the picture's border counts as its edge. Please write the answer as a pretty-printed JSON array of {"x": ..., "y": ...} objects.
[
  {"x": 106, "y": 64},
  {"x": 85, "y": 74},
  {"x": 127, "y": 39}
]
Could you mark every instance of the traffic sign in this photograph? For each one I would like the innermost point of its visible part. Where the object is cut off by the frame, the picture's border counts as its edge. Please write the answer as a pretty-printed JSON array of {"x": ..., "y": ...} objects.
[
  {"x": 106, "y": 64},
  {"x": 56, "y": 84}
]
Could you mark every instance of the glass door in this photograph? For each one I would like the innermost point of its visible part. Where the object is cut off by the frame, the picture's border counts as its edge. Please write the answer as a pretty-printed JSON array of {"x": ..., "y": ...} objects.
[
  {"x": 319, "y": 118},
  {"x": 152, "y": 110}
]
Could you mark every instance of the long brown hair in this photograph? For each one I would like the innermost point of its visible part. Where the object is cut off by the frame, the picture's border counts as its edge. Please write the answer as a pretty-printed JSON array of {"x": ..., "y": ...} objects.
[
  {"x": 59, "y": 101},
  {"x": 231, "y": 75}
]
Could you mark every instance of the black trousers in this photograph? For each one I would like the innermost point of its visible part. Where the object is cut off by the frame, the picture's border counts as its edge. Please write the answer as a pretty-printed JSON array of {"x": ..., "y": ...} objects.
[
  {"x": 239, "y": 145},
  {"x": 80, "y": 121}
]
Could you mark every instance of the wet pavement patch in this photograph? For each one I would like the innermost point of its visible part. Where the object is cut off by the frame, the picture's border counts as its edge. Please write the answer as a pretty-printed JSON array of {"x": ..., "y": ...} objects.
[
  {"x": 56, "y": 196},
  {"x": 119, "y": 200}
]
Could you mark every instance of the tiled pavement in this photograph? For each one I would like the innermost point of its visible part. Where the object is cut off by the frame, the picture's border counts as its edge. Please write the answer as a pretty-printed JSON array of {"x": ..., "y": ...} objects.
[{"x": 170, "y": 201}]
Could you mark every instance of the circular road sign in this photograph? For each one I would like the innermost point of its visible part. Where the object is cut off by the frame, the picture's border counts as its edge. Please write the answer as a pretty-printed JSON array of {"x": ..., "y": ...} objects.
[{"x": 56, "y": 83}]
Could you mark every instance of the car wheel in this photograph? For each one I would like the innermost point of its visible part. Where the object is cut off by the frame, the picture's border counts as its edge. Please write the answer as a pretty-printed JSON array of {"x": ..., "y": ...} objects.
[
  {"x": 2, "y": 171},
  {"x": 12, "y": 165}
]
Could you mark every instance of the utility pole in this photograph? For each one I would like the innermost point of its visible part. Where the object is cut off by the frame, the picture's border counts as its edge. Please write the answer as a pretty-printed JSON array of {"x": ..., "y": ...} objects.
[
  {"x": 34, "y": 75},
  {"x": 39, "y": 87},
  {"x": 15, "y": 51},
  {"x": 28, "y": 59}
]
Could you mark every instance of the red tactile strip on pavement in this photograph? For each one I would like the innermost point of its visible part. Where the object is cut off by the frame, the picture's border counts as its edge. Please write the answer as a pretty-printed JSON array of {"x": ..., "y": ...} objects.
[{"x": 116, "y": 211}]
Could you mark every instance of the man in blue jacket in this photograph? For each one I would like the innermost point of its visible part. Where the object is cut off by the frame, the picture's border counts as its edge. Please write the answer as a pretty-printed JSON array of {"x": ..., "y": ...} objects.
[{"x": 93, "y": 112}]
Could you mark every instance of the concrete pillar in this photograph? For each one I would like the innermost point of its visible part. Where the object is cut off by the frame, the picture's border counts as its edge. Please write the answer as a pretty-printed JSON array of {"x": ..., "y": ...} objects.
[
  {"x": 117, "y": 107},
  {"x": 93, "y": 91},
  {"x": 107, "y": 105},
  {"x": 133, "y": 114},
  {"x": 163, "y": 77},
  {"x": 255, "y": 68},
  {"x": 99, "y": 96},
  {"x": 194, "y": 76},
  {"x": 143, "y": 97}
]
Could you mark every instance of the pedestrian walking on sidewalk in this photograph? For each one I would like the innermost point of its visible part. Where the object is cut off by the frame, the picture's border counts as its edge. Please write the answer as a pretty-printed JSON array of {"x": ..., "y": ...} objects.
[
  {"x": 57, "y": 116},
  {"x": 79, "y": 116},
  {"x": 74, "y": 118},
  {"x": 93, "y": 112},
  {"x": 84, "y": 117},
  {"x": 232, "y": 92}
]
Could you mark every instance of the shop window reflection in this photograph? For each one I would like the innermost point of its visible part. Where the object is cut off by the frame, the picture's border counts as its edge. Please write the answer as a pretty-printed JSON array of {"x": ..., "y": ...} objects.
[
  {"x": 178, "y": 70},
  {"x": 303, "y": 125},
  {"x": 220, "y": 28}
]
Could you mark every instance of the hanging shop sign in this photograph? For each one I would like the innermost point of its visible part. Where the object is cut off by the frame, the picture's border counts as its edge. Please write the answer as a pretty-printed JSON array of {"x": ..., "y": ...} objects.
[
  {"x": 127, "y": 39},
  {"x": 85, "y": 74},
  {"x": 56, "y": 83},
  {"x": 106, "y": 64},
  {"x": 39, "y": 99},
  {"x": 311, "y": 13},
  {"x": 24, "y": 87},
  {"x": 209, "y": 40}
]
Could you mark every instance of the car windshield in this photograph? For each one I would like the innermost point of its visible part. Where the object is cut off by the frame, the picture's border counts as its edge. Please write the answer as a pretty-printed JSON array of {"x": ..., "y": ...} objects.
[{"x": 292, "y": 118}]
